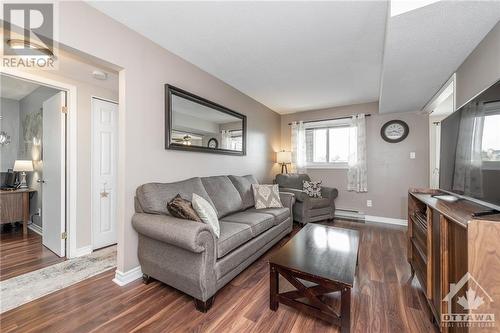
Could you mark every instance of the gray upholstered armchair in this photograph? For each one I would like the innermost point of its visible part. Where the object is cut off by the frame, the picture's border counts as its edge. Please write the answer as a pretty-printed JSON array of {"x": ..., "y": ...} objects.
[{"x": 307, "y": 209}]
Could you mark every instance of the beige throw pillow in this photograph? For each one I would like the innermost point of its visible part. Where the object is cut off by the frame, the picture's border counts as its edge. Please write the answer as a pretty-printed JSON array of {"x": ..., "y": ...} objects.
[
  {"x": 206, "y": 213},
  {"x": 266, "y": 196}
]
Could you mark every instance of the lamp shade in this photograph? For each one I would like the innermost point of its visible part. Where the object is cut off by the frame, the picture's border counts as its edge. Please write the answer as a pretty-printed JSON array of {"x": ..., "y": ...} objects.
[
  {"x": 23, "y": 165},
  {"x": 284, "y": 157}
]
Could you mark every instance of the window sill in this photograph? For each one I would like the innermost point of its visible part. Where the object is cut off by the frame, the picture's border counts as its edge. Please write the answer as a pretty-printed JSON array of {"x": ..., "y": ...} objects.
[{"x": 328, "y": 166}]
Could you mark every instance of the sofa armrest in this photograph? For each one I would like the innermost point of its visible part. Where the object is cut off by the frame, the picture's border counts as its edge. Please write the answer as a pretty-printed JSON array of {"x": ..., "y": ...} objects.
[
  {"x": 189, "y": 235},
  {"x": 329, "y": 192},
  {"x": 299, "y": 195},
  {"x": 287, "y": 199}
]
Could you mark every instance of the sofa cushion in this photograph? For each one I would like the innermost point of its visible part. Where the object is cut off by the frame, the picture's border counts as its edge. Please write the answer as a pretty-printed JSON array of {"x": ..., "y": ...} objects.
[
  {"x": 313, "y": 189},
  {"x": 232, "y": 235},
  {"x": 223, "y": 194},
  {"x": 258, "y": 222},
  {"x": 253, "y": 248},
  {"x": 319, "y": 202},
  {"x": 266, "y": 196},
  {"x": 243, "y": 185},
  {"x": 206, "y": 213},
  {"x": 153, "y": 197},
  {"x": 292, "y": 180},
  {"x": 183, "y": 209},
  {"x": 280, "y": 214}
]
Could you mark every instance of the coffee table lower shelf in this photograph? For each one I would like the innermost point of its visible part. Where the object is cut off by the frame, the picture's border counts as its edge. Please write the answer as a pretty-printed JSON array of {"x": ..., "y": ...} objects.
[{"x": 316, "y": 307}]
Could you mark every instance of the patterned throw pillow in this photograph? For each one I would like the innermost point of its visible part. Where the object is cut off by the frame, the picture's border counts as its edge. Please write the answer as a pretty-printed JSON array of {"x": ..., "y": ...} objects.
[
  {"x": 313, "y": 189},
  {"x": 182, "y": 208},
  {"x": 266, "y": 196},
  {"x": 207, "y": 213}
]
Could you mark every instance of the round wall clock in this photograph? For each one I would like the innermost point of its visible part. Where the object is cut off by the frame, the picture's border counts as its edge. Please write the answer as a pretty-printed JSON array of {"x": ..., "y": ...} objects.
[
  {"x": 213, "y": 143},
  {"x": 394, "y": 131}
]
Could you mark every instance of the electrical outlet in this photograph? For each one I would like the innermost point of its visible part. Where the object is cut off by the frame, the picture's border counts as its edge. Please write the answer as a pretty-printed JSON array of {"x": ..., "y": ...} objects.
[
  {"x": 412, "y": 155},
  {"x": 368, "y": 203}
]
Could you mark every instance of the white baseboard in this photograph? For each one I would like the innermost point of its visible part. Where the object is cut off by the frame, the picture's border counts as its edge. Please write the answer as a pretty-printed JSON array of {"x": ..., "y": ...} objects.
[
  {"x": 123, "y": 278},
  {"x": 388, "y": 220},
  {"x": 36, "y": 228},
  {"x": 82, "y": 251}
]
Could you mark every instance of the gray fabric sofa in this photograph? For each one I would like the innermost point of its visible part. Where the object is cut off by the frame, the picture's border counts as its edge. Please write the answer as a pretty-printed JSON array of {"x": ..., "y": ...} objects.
[
  {"x": 307, "y": 209},
  {"x": 186, "y": 254}
]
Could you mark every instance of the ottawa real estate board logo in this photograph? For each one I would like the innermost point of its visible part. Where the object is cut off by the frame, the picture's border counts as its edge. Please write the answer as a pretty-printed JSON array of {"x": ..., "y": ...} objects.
[
  {"x": 29, "y": 34},
  {"x": 465, "y": 303}
]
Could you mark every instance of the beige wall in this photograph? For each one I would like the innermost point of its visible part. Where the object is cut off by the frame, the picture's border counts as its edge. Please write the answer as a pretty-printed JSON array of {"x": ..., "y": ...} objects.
[
  {"x": 390, "y": 170},
  {"x": 481, "y": 68},
  {"x": 146, "y": 67}
]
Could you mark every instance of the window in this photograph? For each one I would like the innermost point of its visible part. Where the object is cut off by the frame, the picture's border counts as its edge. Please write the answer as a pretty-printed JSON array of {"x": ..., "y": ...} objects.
[
  {"x": 327, "y": 145},
  {"x": 236, "y": 140},
  {"x": 490, "y": 143}
]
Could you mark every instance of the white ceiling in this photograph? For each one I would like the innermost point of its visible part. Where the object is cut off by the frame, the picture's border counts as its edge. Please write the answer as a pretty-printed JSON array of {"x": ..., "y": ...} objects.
[
  {"x": 187, "y": 107},
  {"x": 425, "y": 46},
  {"x": 296, "y": 56},
  {"x": 290, "y": 56},
  {"x": 80, "y": 69},
  {"x": 15, "y": 89}
]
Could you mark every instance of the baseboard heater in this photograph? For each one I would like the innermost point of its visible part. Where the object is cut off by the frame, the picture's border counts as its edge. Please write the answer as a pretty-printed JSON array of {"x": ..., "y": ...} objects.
[{"x": 350, "y": 214}]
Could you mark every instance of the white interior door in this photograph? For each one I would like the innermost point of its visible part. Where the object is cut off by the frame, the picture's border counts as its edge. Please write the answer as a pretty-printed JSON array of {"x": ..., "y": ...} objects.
[
  {"x": 53, "y": 182},
  {"x": 104, "y": 156}
]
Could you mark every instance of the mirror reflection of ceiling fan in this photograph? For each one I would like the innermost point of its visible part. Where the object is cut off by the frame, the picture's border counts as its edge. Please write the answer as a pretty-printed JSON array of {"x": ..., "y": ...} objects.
[{"x": 185, "y": 140}]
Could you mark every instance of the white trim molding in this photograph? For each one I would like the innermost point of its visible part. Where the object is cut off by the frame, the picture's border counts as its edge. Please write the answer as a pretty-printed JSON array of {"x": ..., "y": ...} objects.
[
  {"x": 123, "y": 278},
  {"x": 387, "y": 220},
  {"x": 82, "y": 251},
  {"x": 36, "y": 228}
]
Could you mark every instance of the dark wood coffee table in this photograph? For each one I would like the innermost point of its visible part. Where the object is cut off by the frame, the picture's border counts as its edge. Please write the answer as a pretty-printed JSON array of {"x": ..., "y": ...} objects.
[{"x": 318, "y": 260}]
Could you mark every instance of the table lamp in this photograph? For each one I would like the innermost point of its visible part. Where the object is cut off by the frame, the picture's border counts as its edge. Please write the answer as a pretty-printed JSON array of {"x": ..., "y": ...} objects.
[
  {"x": 23, "y": 166},
  {"x": 284, "y": 158}
]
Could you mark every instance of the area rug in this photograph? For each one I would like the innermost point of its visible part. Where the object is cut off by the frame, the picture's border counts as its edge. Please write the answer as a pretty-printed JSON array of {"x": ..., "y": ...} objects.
[{"x": 24, "y": 288}]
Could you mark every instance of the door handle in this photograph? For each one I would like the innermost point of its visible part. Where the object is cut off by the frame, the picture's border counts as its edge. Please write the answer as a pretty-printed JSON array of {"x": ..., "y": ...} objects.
[{"x": 40, "y": 181}]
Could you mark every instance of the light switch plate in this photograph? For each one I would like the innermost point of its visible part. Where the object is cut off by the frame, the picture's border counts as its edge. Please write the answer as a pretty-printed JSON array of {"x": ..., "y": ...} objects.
[
  {"x": 368, "y": 203},
  {"x": 412, "y": 155}
]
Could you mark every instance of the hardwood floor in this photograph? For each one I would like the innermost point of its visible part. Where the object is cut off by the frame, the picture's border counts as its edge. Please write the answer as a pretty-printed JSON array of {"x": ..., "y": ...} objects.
[
  {"x": 384, "y": 299},
  {"x": 21, "y": 254}
]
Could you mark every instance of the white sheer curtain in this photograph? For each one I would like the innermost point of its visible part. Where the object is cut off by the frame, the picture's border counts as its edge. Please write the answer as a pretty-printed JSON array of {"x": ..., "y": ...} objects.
[
  {"x": 467, "y": 177},
  {"x": 357, "y": 172},
  {"x": 299, "y": 147},
  {"x": 225, "y": 139}
]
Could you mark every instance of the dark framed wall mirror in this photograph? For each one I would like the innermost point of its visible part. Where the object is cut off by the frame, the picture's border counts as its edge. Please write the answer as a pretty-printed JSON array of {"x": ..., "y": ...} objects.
[{"x": 193, "y": 123}]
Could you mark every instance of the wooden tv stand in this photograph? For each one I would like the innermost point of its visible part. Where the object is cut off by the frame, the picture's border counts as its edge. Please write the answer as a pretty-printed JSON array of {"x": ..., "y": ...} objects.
[{"x": 444, "y": 244}]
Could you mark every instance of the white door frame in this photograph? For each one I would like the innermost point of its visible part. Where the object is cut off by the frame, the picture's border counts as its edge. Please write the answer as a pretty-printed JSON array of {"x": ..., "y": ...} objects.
[
  {"x": 71, "y": 150},
  {"x": 92, "y": 97}
]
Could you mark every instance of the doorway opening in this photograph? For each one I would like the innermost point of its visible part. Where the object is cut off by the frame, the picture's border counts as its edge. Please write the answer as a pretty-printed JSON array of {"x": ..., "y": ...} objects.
[
  {"x": 32, "y": 175},
  {"x": 440, "y": 107}
]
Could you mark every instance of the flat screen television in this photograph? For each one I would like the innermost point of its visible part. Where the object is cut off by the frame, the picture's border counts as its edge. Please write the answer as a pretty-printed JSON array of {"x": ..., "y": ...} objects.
[{"x": 470, "y": 150}]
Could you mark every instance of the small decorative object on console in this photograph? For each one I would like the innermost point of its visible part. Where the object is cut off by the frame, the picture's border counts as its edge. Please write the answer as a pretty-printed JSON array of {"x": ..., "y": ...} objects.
[
  {"x": 182, "y": 209},
  {"x": 23, "y": 166},
  {"x": 266, "y": 196},
  {"x": 312, "y": 189}
]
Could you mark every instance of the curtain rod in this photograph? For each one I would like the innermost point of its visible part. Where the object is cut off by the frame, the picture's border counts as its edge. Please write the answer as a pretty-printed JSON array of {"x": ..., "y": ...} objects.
[{"x": 316, "y": 121}]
